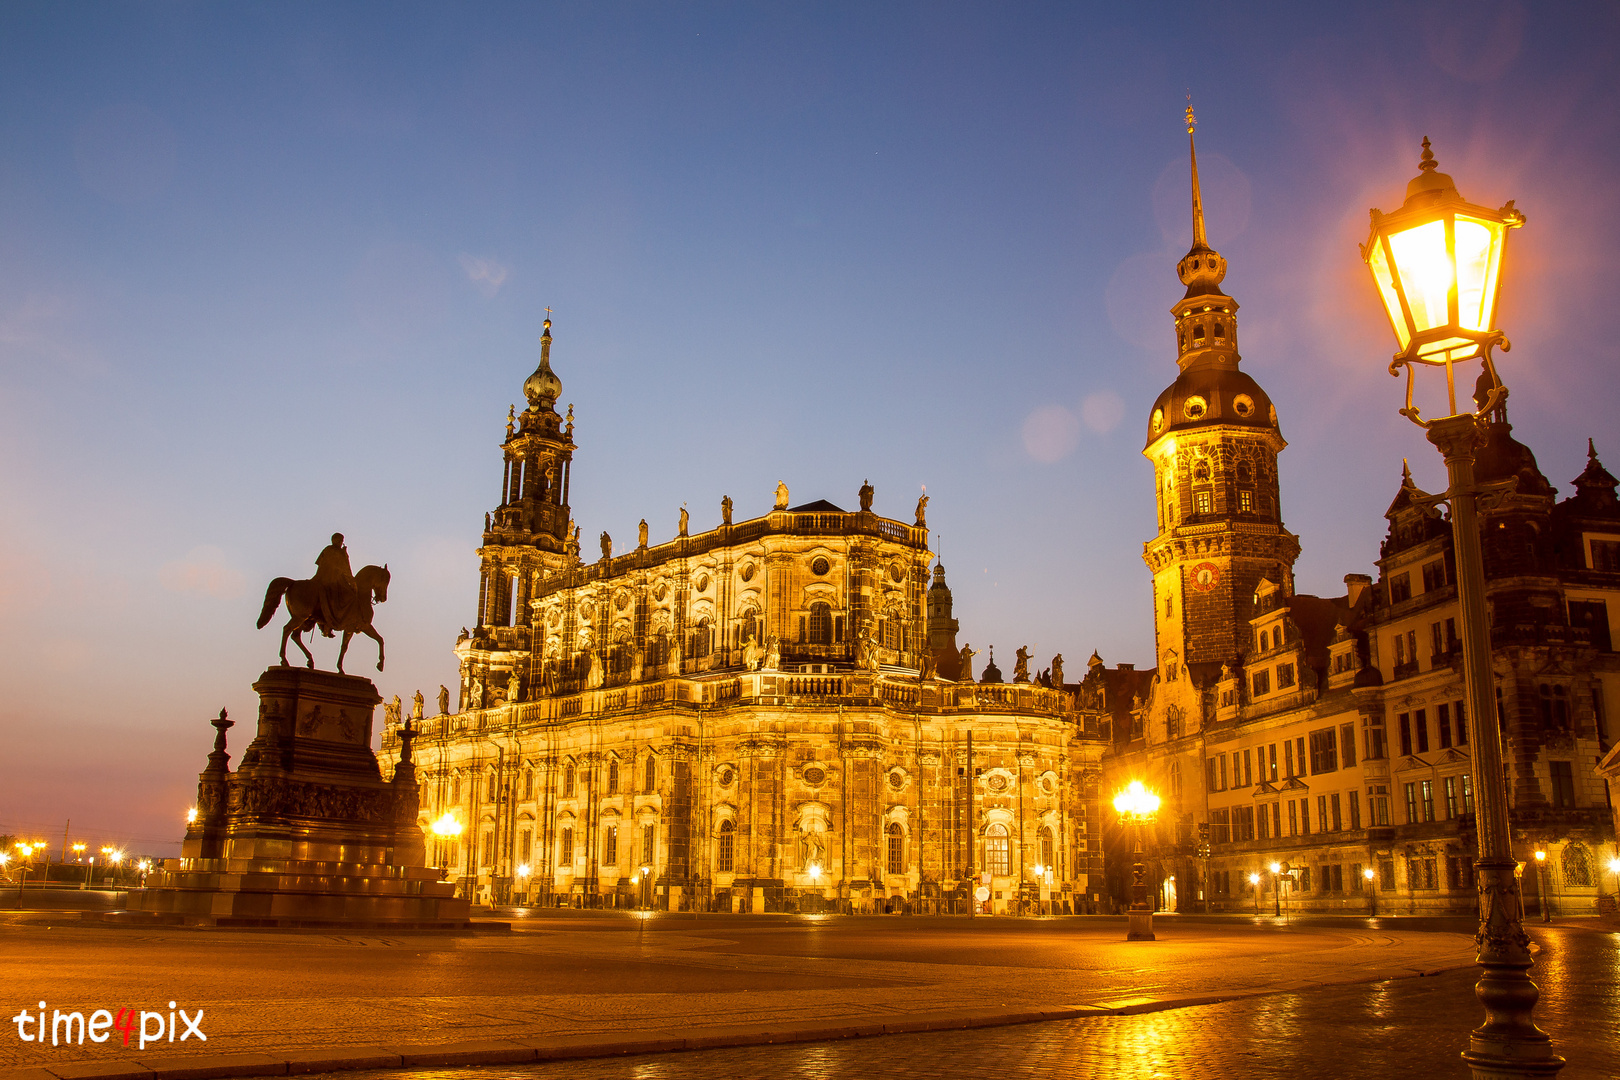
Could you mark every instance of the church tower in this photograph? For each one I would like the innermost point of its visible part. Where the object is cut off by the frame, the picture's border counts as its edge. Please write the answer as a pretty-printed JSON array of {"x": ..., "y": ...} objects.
[
  {"x": 1213, "y": 440},
  {"x": 526, "y": 539}
]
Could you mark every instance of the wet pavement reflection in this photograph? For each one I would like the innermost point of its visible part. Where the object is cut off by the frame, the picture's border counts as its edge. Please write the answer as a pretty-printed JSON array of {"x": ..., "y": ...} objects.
[{"x": 1403, "y": 1027}]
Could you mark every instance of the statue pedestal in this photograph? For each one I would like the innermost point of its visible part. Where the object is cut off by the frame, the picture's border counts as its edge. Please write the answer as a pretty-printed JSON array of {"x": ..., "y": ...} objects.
[{"x": 305, "y": 832}]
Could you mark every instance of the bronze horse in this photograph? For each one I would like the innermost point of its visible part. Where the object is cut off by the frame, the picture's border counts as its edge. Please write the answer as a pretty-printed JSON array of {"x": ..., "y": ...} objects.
[{"x": 370, "y": 584}]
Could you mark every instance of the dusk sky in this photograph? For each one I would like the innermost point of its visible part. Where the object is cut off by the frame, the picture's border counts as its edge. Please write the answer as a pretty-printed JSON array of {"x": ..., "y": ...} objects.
[{"x": 270, "y": 271}]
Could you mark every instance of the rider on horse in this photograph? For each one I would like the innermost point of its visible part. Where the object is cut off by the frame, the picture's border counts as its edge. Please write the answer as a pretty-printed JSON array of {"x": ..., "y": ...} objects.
[{"x": 334, "y": 584}]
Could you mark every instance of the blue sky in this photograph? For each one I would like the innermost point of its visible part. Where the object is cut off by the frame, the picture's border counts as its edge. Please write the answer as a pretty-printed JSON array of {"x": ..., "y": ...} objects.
[{"x": 268, "y": 271}]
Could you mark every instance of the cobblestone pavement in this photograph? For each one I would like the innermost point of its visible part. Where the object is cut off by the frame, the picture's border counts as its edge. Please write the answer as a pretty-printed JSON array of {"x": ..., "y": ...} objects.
[
  {"x": 1397, "y": 1028},
  {"x": 269, "y": 993}
]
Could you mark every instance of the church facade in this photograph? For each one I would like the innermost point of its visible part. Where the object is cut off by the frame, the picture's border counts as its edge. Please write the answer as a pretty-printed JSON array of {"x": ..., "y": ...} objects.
[
  {"x": 767, "y": 715},
  {"x": 1313, "y": 752}
]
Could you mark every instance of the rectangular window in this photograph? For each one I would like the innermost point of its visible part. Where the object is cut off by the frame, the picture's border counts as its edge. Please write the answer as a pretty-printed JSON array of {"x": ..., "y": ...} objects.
[
  {"x": 1386, "y": 875},
  {"x": 1563, "y": 784},
  {"x": 610, "y": 845},
  {"x": 1442, "y": 724},
  {"x": 1299, "y": 747},
  {"x": 1400, "y": 588},
  {"x": 1276, "y": 820},
  {"x": 1606, "y": 555},
  {"x": 1427, "y": 789},
  {"x": 1437, "y": 642},
  {"x": 1404, "y": 722},
  {"x": 1262, "y": 683},
  {"x": 1355, "y": 877},
  {"x": 566, "y": 855},
  {"x": 1321, "y": 813},
  {"x": 525, "y": 846},
  {"x": 1273, "y": 766},
  {"x": 1462, "y": 725},
  {"x": 1304, "y": 817},
  {"x": 1467, "y": 794},
  {"x": 1220, "y": 826},
  {"x": 1347, "y": 744},
  {"x": 1285, "y": 676},
  {"x": 1288, "y": 754},
  {"x": 1201, "y": 501},
  {"x": 489, "y": 850},
  {"x": 1264, "y": 823},
  {"x": 1451, "y": 797},
  {"x": 1434, "y": 575},
  {"x": 998, "y": 855},
  {"x": 1338, "y": 877},
  {"x": 1222, "y": 760},
  {"x": 1293, "y": 818},
  {"x": 648, "y": 847},
  {"x": 1338, "y": 821},
  {"x": 1420, "y": 725},
  {"x": 1355, "y": 809},
  {"x": 1246, "y": 501},
  {"x": 1210, "y": 783},
  {"x": 1248, "y": 768},
  {"x": 1411, "y": 804},
  {"x": 1324, "y": 751}
]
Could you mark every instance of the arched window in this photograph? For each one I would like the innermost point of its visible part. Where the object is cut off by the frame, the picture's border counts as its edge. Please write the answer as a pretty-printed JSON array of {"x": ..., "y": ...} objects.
[
  {"x": 455, "y": 788},
  {"x": 1172, "y": 722},
  {"x": 1577, "y": 866},
  {"x": 700, "y": 640},
  {"x": 568, "y": 780},
  {"x": 528, "y": 784},
  {"x": 610, "y": 845},
  {"x": 725, "y": 848},
  {"x": 897, "y": 848},
  {"x": 1048, "y": 849},
  {"x": 652, "y": 774},
  {"x": 997, "y": 850},
  {"x": 820, "y": 623},
  {"x": 565, "y": 854},
  {"x": 613, "y": 776}
]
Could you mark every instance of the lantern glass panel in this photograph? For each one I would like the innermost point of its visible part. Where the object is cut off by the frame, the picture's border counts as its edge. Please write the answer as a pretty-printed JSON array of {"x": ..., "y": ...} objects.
[
  {"x": 1386, "y": 288},
  {"x": 1425, "y": 270},
  {"x": 1479, "y": 254}
]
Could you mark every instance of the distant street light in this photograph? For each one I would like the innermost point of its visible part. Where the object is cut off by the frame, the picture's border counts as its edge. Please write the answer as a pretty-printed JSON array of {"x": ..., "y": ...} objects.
[
  {"x": 1254, "y": 885},
  {"x": 1276, "y": 887},
  {"x": 1437, "y": 265},
  {"x": 1372, "y": 892},
  {"x": 1137, "y": 806},
  {"x": 191, "y": 816},
  {"x": 1541, "y": 884}
]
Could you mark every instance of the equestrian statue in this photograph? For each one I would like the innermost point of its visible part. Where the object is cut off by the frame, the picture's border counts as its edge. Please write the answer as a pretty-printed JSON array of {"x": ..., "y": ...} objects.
[{"x": 334, "y": 599}]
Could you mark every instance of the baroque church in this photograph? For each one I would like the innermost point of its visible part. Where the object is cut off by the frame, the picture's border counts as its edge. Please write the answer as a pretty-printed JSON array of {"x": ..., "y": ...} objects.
[
  {"x": 773, "y": 714},
  {"x": 770, "y": 714}
]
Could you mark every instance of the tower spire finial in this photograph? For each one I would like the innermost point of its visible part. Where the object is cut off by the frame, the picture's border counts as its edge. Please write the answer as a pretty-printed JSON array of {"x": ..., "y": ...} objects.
[{"x": 1200, "y": 238}]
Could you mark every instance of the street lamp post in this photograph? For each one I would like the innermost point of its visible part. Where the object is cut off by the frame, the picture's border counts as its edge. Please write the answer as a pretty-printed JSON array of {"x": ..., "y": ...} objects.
[
  {"x": 1137, "y": 807},
  {"x": 1436, "y": 263},
  {"x": 445, "y": 829},
  {"x": 1541, "y": 885},
  {"x": 1254, "y": 884},
  {"x": 1276, "y": 888},
  {"x": 1372, "y": 892}
]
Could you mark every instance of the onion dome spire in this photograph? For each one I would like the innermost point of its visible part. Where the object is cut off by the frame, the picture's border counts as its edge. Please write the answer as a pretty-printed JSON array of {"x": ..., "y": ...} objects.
[{"x": 543, "y": 387}]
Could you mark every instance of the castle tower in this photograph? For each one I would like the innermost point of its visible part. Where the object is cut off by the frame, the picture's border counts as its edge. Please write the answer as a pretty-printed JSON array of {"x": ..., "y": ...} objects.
[
  {"x": 1213, "y": 440},
  {"x": 526, "y": 539}
]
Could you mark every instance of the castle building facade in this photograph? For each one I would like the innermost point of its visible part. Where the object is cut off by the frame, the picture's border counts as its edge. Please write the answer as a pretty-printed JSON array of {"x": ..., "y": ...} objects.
[
  {"x": 1328, "y": 737},
  {"x": 767, "y": 715}
]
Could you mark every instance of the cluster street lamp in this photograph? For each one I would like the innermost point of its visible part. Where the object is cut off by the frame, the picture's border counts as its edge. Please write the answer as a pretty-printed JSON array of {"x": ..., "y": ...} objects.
[
  {"x": 1137, "y": 807},
  {"x": 1437, "y": 265}
]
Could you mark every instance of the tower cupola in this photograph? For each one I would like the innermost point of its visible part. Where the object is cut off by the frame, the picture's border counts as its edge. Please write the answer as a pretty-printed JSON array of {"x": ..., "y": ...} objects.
[{"x": 543, "y": 388}]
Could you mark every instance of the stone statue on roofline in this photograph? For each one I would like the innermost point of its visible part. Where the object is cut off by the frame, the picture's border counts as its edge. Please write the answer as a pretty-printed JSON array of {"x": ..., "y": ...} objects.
[
  {"x": 781, "y": 495},
  {"x": 725, "y": 510},
  {"x": 866, "y": 496}
]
